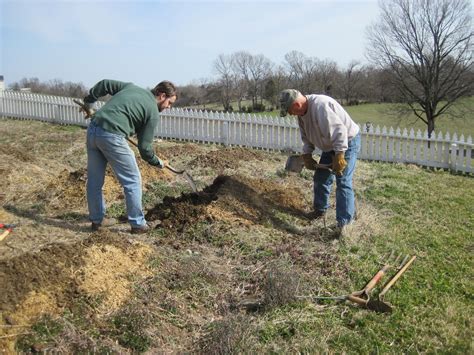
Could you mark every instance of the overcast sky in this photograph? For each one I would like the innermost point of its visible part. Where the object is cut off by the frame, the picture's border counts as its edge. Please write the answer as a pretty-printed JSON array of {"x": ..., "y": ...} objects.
[{"x": 148, "y": 41}]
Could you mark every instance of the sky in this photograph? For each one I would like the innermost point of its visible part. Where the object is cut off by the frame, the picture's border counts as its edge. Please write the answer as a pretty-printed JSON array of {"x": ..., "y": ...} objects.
[{"x": 148, "y": 41}]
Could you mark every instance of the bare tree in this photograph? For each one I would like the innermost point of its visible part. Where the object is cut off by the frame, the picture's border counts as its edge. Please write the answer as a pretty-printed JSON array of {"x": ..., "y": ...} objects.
[
  {"x": 301, "y": 71},
  {"x": 426, "y": 44},
  {"x": 327, "y": 73},
  {"x": 241, "y": 63},
  {"x": 223, "y": 66},
  {"x": 259, "y": 69},
  {"x": 274, "y": 84},
  {"x": 351, "y": 82}
]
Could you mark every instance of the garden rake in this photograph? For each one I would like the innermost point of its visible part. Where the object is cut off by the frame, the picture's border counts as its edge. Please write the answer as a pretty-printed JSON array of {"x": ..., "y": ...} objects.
[
  {"x": 379, "y": 305},
  {"x": 363, "y": 297}
]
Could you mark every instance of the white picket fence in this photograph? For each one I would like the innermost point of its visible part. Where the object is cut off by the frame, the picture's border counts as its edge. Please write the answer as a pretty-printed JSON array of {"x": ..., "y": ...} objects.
[{"x": 272, "y": 133}]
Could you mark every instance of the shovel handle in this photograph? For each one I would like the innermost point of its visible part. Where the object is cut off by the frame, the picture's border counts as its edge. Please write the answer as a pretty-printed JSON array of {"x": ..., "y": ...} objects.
[
  {"x": 324, "y": 166},
  {"x": 4, "y": 234},
  {"x": 371, "y": 284},
  {"x": 179, "y": 172},
  {"x": 83, "y": 107},
  {"x": 369, "y": 287},
  {"x": 357, "y": 300},
  {"x": 396, "y": 277}
]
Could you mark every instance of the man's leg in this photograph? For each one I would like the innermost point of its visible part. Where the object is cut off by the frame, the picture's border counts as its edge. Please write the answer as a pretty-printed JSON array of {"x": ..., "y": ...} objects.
[
  {"x": 96, "y": 164},
  {"x": 323, "y": 180},
  {"x": 123, "y": 162},
  {"x": 345, "y": 209}
]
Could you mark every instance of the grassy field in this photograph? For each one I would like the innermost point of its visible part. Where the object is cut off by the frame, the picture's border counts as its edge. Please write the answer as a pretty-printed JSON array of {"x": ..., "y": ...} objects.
[
  {"x": 231, "y": 269},
  {"x": 385, "y": 115}
]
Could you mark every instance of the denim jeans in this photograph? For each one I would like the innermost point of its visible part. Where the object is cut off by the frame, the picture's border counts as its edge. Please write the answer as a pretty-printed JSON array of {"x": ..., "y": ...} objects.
[
  {"x": 104, "y": 147},
  {"x": 323, "y": 180}
]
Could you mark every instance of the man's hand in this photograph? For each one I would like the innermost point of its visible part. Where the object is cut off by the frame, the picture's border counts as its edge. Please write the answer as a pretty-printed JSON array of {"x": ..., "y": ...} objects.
[
  {"x": 339, "y": 163},
  {"x": 309, "y": 162},
  {"x": 87, "y": 108},
  {"x": 160, "y": 164}
]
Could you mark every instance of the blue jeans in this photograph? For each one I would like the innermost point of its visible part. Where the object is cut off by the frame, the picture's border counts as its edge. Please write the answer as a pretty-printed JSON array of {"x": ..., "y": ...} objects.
[
  {"x": 104, "y": 147},
  {"x": 323, "y": 180}
]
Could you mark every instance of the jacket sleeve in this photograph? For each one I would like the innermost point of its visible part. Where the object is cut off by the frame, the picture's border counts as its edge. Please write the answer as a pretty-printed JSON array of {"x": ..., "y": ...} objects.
[
  {"x": 145, "y": 141},
  {"x": 333, "y": 127},
  {"x": 104, "y": 87},
  {"x": 308, "y": 147}
]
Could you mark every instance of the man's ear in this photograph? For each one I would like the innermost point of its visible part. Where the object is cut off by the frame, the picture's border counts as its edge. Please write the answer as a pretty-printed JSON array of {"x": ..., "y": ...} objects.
[{"x": 161, "y": 97}]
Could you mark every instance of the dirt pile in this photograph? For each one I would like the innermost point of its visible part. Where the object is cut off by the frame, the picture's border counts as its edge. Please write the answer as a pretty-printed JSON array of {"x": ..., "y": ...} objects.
[
  {"x": 178, "y": 151},
  {"x": 231, "y": 198},
  {"x": 227, "y": 158},
  {"x": 68, "y": 189},
  {"x": 58, "y": 275}
]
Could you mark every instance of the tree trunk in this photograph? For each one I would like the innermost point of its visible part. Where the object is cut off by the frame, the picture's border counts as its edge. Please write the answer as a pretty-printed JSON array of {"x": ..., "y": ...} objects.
[{"x": 431, "y": 126}]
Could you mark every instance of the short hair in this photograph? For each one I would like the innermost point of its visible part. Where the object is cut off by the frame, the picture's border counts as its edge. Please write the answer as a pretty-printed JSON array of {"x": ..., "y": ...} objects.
[{"x": 165, "y": 87}]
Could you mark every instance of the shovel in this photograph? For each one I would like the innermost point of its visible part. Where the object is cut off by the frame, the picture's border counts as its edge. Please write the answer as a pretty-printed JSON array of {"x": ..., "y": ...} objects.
[
  {"x": 295, "y": 163},
  {"x": 379, "y": 305},
  {"x": 185, "y": 174},
  {"x": 361, "y": 297}
]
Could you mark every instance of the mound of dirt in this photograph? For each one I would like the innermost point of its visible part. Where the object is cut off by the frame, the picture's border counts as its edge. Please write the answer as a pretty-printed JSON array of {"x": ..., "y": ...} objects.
[
  {"x": 177, "y": 151},
  {"x": 68, "y": 189},
  {"x": 100, "y": 268},
  {"x": 227, "y": 158},
  {"x": 229, "y": 198},
  {"x": 58, "y": 275}
]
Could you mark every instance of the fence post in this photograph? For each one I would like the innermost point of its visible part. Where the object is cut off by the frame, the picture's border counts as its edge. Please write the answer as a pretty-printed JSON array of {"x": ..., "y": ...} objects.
[
  {"x": 225, "y": 133},
  {"x": 453, "y": 157}
]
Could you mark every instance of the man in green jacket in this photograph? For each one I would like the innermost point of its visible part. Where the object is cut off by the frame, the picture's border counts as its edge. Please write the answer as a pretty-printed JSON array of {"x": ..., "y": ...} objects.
[{"x": 130, "y": 110}]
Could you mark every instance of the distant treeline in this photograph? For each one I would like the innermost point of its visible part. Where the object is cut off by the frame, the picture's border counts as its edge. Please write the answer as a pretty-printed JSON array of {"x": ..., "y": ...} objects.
[{"x": 53, "y": 87}]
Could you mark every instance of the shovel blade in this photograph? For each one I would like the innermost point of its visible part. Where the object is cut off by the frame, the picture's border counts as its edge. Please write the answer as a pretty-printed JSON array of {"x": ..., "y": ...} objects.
[
  {"x": 294, "y": 163},
  {"x": 190, "y": 180},
  {"x": 379, "y": 306}
]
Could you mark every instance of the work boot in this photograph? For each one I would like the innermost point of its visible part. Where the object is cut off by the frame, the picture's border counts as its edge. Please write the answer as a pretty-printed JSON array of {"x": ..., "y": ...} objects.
[
  {"x": 106, "y": 222},
  {"x": 314, "y": 215},
  {"x": 140, "y": 229}
]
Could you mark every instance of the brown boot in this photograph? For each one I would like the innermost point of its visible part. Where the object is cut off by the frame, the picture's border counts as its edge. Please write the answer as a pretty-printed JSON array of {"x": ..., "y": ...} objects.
[
  {"x": 314, "y": 215},
  {"x": 141, "y": 229},
  {"x": 106, "y": 222}
]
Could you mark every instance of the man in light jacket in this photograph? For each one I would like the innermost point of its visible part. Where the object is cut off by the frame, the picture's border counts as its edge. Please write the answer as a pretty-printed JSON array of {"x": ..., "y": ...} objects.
[{"x": 324, "y": 124}]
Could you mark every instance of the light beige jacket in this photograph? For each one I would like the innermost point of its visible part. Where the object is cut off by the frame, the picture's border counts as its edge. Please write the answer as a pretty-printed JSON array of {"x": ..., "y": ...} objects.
[{"x": 326, "y": 125}]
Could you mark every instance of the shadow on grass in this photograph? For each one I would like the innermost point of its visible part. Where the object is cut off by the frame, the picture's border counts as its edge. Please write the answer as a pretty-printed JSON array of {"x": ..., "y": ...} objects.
[{"x": 36, "y": 216}]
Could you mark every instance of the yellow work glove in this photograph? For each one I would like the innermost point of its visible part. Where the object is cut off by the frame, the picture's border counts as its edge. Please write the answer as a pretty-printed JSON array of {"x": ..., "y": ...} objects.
[
  {"x": 339, "y": 163},
  {"x": 309, "y": 162}
]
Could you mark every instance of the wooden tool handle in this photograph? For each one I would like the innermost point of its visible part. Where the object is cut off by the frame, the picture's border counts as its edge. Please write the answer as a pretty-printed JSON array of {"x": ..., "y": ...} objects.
[
  {"x": 357, "y": 300},
  {"x": 4, "y": 234},
  {"x": 397, "y": 276},
  {"x": 376, "y": 279}
]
